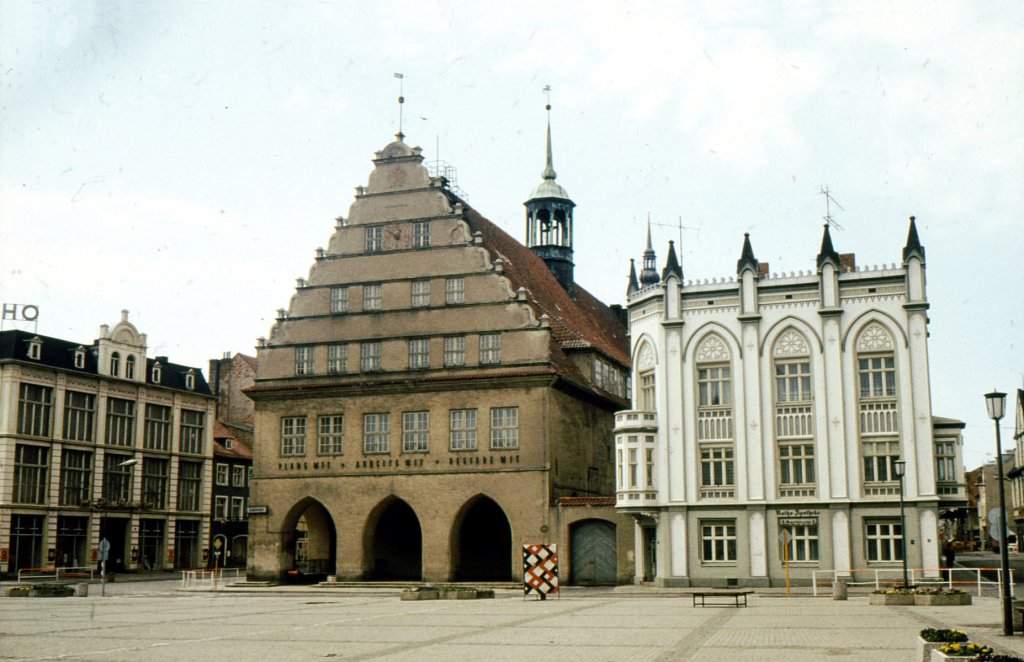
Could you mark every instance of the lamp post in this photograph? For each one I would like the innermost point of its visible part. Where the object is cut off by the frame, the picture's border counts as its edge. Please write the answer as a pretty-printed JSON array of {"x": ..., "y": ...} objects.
[
  {"x": 899, "y": 467},
  {"x": 996, "y": 404}
]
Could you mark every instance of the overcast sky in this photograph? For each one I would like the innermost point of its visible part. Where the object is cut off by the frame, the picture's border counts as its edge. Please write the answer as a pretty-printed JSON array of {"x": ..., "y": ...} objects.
[{"x": 183, "y": 160}]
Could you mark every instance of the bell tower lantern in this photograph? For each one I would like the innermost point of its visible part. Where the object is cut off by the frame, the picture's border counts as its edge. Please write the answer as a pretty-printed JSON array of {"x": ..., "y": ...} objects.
[{"x": 549, "y": 213}]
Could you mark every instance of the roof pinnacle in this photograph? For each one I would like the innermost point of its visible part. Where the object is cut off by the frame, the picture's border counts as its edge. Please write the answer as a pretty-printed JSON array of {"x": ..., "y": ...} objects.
[{"x": 549, "y": 168}]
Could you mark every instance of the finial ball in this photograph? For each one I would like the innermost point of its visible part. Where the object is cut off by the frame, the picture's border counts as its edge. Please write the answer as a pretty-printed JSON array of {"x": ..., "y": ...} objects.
[
  {"x": 547, "y": 107},
  {"x": 401, "y": 99}
]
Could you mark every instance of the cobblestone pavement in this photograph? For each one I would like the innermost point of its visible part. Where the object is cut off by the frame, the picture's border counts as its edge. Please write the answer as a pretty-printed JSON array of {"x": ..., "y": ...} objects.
[{"x": 152, "y": 621}]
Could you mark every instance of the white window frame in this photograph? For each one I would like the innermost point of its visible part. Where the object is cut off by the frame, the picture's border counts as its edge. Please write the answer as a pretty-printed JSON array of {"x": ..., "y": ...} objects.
[
  {"x": 882, "y": 540},
  {"x": 718, "y": 541},
  {"x": 237, "y": 475},
  {"x": 372, "y": 297},
  {"x": 331, "y": 434},
  {"x": 504, "y": 428},
  {"x": 803, "y": 543},
  {"x": 420, "y": 293},
  {"x": 221, "y": 471},
  {"x": 796, "y": 463},
  {"x": 454, "y": 351},
  {"x": 374, "y": 238},
  {"x": 337, "y": 358},
  {"x": 293, "y": 436},
  {"x": 490, "y": 348},
  {"x": 462, "y": 429},
  {"x": 419, "y": 353},
  {"x": 339, "y": 299},
  {"x": 415, "y": 431},
  {"x": 220, "y": 507},
  {"x": 237, "y": 511},
  {"x": 376, "y": 433},
  {"x": 304, "y": 360},
  {"x": 454, "y": 290},
  {"x": 369, "y": 356},
  {"x": 421, "y": 234}
]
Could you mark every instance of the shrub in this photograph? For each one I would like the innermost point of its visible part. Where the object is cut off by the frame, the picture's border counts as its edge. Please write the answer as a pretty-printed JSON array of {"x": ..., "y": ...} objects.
[{"x": 948, "y": 635}]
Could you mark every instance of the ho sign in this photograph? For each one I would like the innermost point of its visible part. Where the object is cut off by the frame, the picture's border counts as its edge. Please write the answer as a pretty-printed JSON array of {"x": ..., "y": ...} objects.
[{"x": 19, "y": 312}]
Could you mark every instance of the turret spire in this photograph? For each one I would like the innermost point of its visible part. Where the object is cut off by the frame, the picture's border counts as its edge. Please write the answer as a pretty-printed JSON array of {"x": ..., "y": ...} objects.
[
  {"x": 747, "y": 259},
  {"x": 672, "y": 263},
  {"x": 549, "y": 217},
  {"x": 633, "y": 284},
  {"x": 649, "y": 273},
  {"x": 913, "y": 247},
  {"x": 827, "y": 252}
]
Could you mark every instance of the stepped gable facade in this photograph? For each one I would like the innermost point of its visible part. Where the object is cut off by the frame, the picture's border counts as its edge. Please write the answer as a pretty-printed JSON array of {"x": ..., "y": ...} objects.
[{"x": 430, "y": 393}]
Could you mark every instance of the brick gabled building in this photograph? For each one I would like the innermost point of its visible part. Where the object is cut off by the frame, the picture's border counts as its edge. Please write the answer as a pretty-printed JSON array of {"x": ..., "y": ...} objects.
[{"x": 432, "y": 391}]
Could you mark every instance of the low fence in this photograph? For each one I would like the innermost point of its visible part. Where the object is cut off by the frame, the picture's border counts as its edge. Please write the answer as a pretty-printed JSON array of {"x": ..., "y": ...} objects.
[
  {"x": 884, "y": 578},
  {"x": 205, "y": 578},
  {"x": 56, "y": 574}
]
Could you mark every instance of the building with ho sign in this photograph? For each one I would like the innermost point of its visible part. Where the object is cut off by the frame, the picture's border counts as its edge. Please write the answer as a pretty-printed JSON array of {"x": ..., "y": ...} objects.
[
  {"x": 437, "y": 394},
  {"x": 769, "y": 416},
  {"x": 97, "y": 441}
]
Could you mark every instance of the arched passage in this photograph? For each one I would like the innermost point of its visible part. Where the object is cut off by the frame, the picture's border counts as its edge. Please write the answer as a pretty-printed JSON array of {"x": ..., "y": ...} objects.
[
  {"x": 308, "y": 542},
  {"x": 394, "y": 542},
  {"x": 482, "y": 543},
  {"x": 592, "y": 550}
]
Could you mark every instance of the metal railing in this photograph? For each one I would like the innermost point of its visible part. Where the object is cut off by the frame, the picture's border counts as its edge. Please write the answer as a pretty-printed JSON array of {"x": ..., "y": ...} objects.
[
  {"x": 56, "y": 574},
  {"x": 885, "y": 578},
  {"x": 205, "y": 578}
]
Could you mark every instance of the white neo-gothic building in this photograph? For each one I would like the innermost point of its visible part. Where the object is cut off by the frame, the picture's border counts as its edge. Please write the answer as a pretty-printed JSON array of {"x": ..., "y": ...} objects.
[{"x": 768, "y": 414}]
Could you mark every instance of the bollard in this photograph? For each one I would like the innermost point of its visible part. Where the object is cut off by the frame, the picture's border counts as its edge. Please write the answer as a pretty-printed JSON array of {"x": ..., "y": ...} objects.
[
  {"x": 839, "y": 588},
  {"x": 81, "y": 590}
]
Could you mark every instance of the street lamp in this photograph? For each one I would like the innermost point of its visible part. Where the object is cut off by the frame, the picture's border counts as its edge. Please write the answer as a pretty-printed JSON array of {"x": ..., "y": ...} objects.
[
  {"x": 898, "y": 468},
  {"x": 996, "y": 404}
]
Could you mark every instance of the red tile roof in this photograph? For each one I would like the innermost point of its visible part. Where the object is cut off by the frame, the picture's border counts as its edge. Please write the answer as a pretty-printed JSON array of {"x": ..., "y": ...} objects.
[
  {"x": 585, "y": 501},
  {"x": 577, "y": 322},
  {"x": 238, "y": 448}
]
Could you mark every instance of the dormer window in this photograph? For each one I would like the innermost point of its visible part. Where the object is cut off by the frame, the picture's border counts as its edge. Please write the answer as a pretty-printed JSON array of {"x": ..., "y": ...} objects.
[
  {"x": 157, "y": 373},
  {"x": 115, "y": 364},
  {"x": 129, "y": 367},
  {"x": 35, "y": 348},
  {"x": 80, "y": 358},
  {"x": 190, "y": 380},
  {"x": 227, "y": 442}
]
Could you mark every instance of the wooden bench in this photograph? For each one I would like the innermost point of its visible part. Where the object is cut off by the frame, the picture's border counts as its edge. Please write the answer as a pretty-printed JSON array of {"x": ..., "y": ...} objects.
[{"x": 721, "y": 598}]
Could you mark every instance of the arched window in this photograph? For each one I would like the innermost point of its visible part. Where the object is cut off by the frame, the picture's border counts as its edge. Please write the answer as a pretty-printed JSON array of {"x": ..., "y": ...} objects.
[
  {"x": 878, "y": 408},
  {"x": 157, "y": 372},
  {"x": 35, "y": 348},
  {"x": 115, "y": 365},
  {"x": 715, "y": 436},
  {"x": 80, "y": 358},
  {"x": 794, "y": 414},
  {"x": 190, "y": 380},
  {"x": 646, "y": 394},
  {"x": 129, "y": 367}
]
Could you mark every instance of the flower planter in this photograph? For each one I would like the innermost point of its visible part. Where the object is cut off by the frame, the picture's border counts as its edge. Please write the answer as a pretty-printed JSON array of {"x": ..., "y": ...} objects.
[
  {"x": 925, "y": 648},
  {"x": 889, "y": 599},
  {"x": 942, "y": 600},
  {"x": 41, "y": 591},
  {"x": 970, "y": 650},
  {"x": 414, "y": 594},
  {"x": 939, "y": 656}
]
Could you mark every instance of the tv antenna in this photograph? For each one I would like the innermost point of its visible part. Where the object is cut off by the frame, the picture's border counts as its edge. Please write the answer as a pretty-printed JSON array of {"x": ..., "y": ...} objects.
[
  {"x": 828, "y": 211},
  {"x": 678, "y": 226}
]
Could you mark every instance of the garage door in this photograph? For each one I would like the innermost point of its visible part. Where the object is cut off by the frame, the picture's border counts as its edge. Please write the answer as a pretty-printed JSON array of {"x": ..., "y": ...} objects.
[{"x": 593, "y": 553}]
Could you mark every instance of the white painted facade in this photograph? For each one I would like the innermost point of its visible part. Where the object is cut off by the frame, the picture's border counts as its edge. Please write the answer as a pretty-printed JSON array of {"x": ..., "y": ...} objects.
[{"x": 779, "y": 403}]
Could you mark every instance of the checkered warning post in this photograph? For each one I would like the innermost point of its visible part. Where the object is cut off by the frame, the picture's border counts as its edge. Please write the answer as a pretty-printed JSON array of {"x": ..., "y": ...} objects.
[{"x": 540, "y": 569}]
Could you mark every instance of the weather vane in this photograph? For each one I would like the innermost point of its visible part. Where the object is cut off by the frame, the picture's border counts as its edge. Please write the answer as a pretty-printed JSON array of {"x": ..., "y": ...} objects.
[
  {"x": 401, "y": 101},
  {"x": 547, "y": 93},
  {"x": 828, "y": 215}
]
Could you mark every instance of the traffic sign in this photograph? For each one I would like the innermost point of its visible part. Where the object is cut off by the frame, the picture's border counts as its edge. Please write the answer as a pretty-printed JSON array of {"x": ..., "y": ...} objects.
[{"x": 104, "y": 549}]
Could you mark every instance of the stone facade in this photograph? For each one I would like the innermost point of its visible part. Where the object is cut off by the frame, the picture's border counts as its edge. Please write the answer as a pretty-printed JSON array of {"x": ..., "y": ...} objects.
[
  {"x": 97, "y": 441},
  {"x": 769, "y": 406},
  {"x": 432, "y": 393}
]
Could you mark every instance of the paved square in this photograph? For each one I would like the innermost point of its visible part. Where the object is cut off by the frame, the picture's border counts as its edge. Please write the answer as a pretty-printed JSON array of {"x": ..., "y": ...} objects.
[{"x": 153, "y": 622}]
